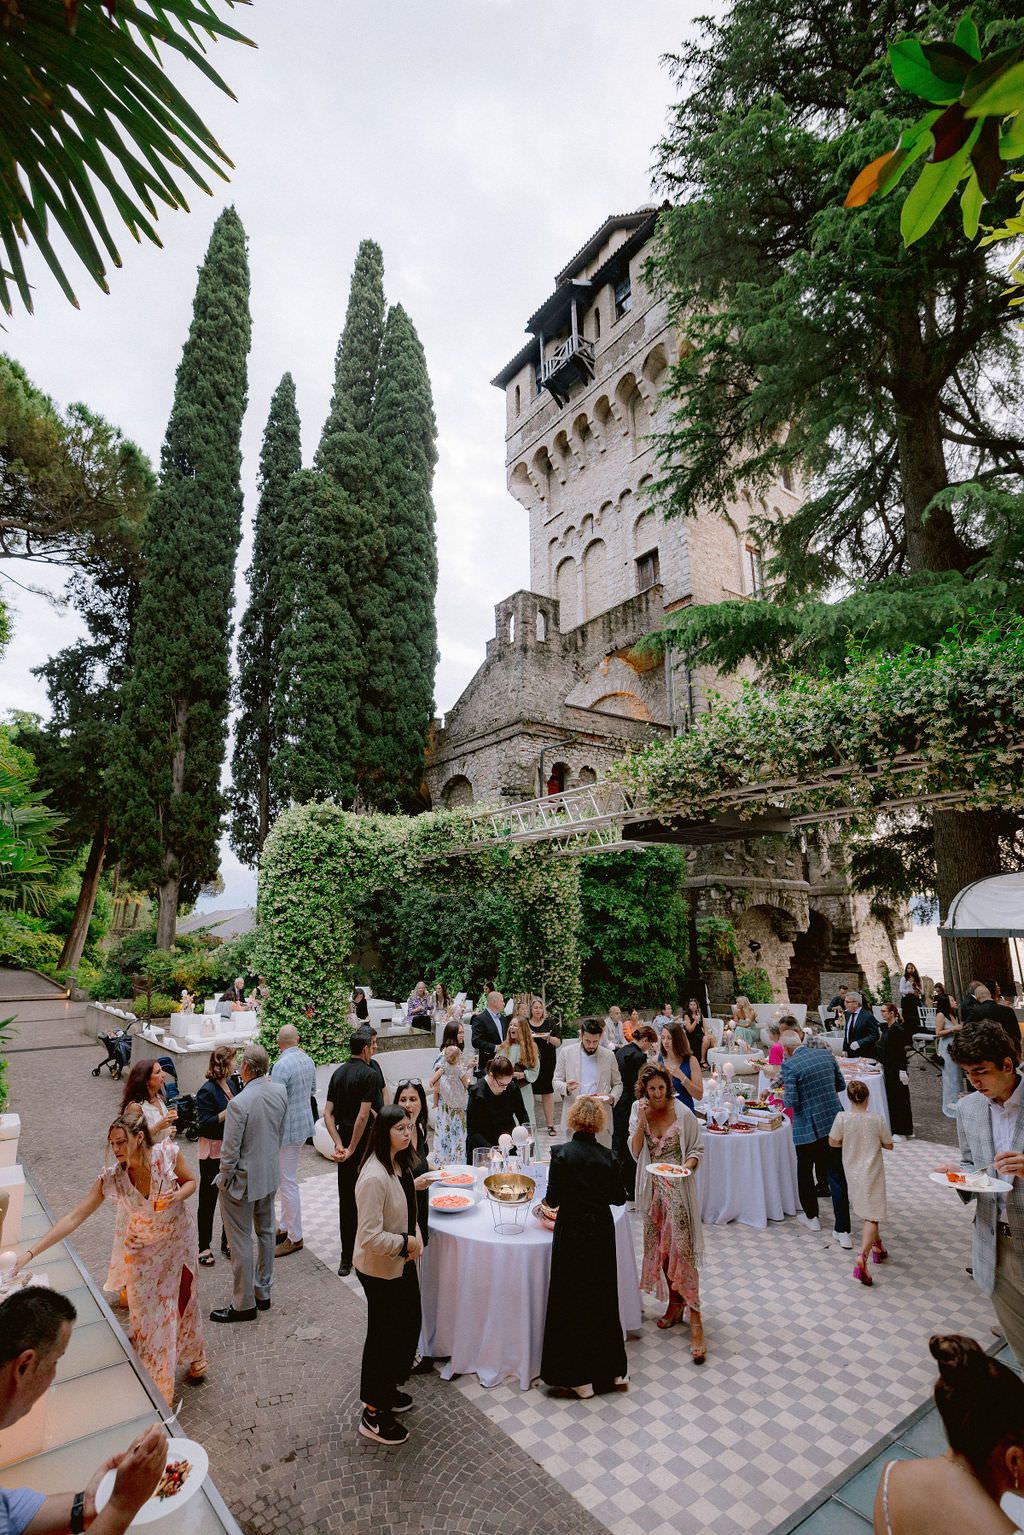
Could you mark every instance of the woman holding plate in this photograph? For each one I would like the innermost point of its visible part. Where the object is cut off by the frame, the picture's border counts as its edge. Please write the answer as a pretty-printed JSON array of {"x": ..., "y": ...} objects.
[
  {"x": 663, "y": 1131},
  {"x": 150, "y": 1185}
]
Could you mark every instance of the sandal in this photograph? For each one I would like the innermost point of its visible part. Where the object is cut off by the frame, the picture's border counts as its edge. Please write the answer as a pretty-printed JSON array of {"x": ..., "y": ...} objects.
[
  {"x": 860, "y": 1272},
  {"x": 698, "y": 1351},
  {"x": 671, "y": 1317},
  {"x": 197, "y": 1370},
  {"x": 878, "y": 1253},
  {"x": 207, "y": 1259}
]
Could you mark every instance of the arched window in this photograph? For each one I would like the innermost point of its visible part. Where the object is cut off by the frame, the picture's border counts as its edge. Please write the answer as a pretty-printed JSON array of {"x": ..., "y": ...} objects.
[
  {"x": 587, "y": 775},
  {"x": 595, "y": 565},
  {"x": 457, "y": 791},
  {"x": 565, "y": 591},
  {"x": 512, "y": 629},
  {"x": 542, "y": 626},
  {"x": 557, "y": 776},
  {"x": 597, "y": 323},
  {"x": 787, "y": 476},
  {"x": 518, "y": 399}
]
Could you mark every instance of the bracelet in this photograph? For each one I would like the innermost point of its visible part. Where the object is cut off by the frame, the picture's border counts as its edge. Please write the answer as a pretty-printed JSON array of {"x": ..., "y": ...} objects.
[{"x": 30, "y": 1253}]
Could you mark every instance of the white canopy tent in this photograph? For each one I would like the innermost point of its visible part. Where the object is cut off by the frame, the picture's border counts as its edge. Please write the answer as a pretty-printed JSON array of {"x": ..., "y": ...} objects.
[{"x": 987, "y": 908}]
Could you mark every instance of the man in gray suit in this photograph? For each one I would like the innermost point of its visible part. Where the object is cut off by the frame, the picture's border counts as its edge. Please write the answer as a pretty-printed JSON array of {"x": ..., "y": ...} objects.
[
  {"x": 250, "y": 1171},
  {"x": 990, "y": 1128}
]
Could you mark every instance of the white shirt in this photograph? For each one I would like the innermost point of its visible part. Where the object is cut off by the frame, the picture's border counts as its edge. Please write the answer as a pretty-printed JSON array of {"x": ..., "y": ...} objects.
[
  {"x": 1004, "y": 1119},
  {"x": 588, "y": 1072},
  {"x": 498, "y": 1024}
]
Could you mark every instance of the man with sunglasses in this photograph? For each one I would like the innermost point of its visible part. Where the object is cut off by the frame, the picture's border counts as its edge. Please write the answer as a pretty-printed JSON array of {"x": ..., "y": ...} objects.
[{"x": 354, "y": 1099}]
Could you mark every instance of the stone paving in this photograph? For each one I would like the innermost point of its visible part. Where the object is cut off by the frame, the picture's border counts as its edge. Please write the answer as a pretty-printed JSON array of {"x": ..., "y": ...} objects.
[{"x": 805, "y": 1369}]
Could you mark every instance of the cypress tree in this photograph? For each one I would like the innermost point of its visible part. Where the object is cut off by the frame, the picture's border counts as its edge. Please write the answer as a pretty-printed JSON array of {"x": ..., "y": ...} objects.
[
  {"x": 252, "y": 803},
  {"x": 358, "y": 356},
  {"x": 397, "y": 704},
  {"x": 168, "y": 803}
]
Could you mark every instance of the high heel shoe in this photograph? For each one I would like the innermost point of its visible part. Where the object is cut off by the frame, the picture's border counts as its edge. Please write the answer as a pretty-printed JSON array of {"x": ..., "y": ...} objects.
[
  {"x": 860, "y": 1272},
  {"x": 878, "y": 1253},
  {"x": 672, "y": 1315},
  {"x": 698, "y": 1348}
]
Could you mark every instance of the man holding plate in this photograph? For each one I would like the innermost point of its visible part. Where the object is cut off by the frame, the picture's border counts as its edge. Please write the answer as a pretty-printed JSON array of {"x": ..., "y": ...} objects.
[{"x": 990, "y": 1128}]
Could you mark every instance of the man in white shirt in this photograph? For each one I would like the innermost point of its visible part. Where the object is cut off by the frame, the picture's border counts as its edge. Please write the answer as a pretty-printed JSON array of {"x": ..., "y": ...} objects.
[
  {"x": 990, "y": 1128},
  {"x": 586, "y": 1069},
  {"x": 613, "y": 1038}
]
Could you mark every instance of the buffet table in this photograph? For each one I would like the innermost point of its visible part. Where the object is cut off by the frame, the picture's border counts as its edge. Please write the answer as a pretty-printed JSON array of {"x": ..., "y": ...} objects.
[
  {"x": 484, "y": 1296},
  {"x": 748, "y": 1178}
]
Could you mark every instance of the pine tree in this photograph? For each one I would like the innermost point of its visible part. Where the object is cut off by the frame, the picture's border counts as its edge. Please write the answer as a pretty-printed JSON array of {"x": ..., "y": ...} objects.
[
  {"x": 253, "y": 804},
  {"x": 397, "y": 704},
  {"x": 885, "y": 377},
  {"x": 168, "y": 804}
]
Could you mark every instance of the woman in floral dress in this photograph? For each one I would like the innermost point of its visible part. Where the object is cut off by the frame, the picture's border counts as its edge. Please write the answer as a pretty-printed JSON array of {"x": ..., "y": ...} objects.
[
  {"x": 150, "y": 1184},
  {"x": 449, "y": 1081},
  {"x": 661, "y": 1129}
]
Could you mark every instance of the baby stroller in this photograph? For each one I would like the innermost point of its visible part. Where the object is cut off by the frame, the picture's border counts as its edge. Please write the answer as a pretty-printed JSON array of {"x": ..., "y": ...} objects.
[
  {"x": 183, "y": 1104},
  {"x": 118, "y": 1046}
]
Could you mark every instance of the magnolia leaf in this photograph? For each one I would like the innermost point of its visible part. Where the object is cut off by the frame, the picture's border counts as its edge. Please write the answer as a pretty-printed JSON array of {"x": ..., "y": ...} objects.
[
  {"x": 948, "y": 61},
  {"x": 1011, "y": 141},
  {"x": 985, "y": 157},
  {"x": 917, "y": 131},
  {"x": 966, "y": 36},
  {"x": 913, "y": 73},
  {"x": 866, "y": 184},
  {"x": 903, "y": 159},
  {"x": 932, "y": 191},
  {"x": 985, "y": 75},
  {"x": 951, "y": 132},
  {"x": 1005, "y": 94},
  {"x": 971, "y": 204}
]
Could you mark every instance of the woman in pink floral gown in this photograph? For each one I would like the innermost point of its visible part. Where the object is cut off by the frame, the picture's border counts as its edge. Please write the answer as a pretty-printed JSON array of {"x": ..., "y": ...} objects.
[
  {"x": 663, "y": 1130},
  {"x": 150, "y": 1184}
]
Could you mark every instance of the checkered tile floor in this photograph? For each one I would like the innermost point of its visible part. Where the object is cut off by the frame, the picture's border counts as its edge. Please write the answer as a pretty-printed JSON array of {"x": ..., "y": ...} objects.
[{"x": 806, "y": 1369}]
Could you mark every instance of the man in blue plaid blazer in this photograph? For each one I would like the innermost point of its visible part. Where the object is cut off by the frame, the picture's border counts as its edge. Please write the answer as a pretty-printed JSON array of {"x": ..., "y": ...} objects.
[
  {"x": 811, "y": 1084},
  {"x": 990, "y": 1129},
  {"x": 296, "y": 1073}
]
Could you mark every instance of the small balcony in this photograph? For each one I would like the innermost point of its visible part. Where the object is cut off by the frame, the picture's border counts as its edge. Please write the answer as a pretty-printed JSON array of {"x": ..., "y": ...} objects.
[{"x": 570, "y": 363}]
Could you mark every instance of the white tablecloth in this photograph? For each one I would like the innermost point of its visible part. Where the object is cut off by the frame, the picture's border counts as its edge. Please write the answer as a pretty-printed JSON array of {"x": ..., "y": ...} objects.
[
  {"x": 748, "y": 1178},
  {"x": 878, "y": 1099},
  {"x": 485, "y": 1296}
]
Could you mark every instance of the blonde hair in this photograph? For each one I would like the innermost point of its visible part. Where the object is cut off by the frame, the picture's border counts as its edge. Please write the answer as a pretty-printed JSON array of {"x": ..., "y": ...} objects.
[
  {"x": 586, "y": 1114},
  {"x": 453, "y": 1055},
  {"x": 743, "y": 1010}
]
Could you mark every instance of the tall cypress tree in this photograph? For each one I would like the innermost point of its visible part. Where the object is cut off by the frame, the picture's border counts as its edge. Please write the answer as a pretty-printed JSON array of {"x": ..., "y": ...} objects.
[
  {"x": 397, "y": 704},
  {"x": 168, "y": 804},
  {"x": 253, "y": 805},
  {"x": 358, "y": 356}
]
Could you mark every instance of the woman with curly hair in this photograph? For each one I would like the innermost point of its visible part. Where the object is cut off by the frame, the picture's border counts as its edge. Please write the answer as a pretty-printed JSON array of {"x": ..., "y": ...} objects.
[
  {"x": 584, "y": 1350},
  {"x": 981, "y": 1404},
  {"x": 662, "y": 1130}
]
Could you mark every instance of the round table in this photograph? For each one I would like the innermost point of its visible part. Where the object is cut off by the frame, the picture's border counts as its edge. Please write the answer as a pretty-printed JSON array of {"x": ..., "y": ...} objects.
[
  {"x": 484, "y": 1296},
  {"x": 878, "y": 1098},
  {"x": 748, "y": 1178}
]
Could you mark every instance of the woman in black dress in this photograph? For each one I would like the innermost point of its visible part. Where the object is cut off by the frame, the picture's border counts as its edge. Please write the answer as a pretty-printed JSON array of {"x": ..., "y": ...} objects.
[
  {"x": 584, "y": 1350},
  {"x": 693, "y": 1023},
  {"x": 548, "y": 1039},
  {"x": 894, "y": 1067}
]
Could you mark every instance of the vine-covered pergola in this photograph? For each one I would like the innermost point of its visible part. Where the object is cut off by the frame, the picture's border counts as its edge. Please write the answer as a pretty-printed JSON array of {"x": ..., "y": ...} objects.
[{"x": 913, "y": 729}]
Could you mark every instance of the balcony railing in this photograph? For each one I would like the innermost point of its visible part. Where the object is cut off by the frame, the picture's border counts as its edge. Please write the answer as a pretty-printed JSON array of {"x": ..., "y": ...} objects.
[{"x": 572, "y": 360}]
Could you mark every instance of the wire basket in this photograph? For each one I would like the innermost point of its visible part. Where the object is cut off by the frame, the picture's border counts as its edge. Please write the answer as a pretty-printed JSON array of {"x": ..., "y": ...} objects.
[{"x": 509, "y": 1196}]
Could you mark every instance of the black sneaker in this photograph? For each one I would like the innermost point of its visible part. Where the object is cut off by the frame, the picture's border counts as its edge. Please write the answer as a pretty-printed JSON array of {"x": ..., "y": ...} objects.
[
  {"x": 344, "y": 1268},
  {"x": 382, "y": 1427},
  {"x": 403, "y": 1401},
  {"x": 423, "y": 1366}
]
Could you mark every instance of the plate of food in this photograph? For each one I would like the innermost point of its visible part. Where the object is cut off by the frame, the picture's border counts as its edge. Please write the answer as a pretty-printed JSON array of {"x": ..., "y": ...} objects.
[
  {"x": 545, "y": 1215},
  {"x": 448, "y": 1201},
  {"x": 458, "y": 1176},
  {"x": 669, "y": 1170},
  {"x": 969, "y": 1182},
  {"x": 184, "y": 1474}
]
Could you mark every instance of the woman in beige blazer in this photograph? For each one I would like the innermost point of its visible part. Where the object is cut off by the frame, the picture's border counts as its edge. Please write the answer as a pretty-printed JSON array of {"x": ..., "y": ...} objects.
[{"x": 387, "y": 1243}]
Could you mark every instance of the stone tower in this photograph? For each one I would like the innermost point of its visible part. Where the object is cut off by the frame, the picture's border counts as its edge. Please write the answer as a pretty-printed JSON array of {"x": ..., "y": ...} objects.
[{"x": 563, "y": 690}]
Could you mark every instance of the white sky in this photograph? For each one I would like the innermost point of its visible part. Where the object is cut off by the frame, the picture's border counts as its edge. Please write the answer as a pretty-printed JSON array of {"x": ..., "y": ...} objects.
[{"x": 480, "y": 142}]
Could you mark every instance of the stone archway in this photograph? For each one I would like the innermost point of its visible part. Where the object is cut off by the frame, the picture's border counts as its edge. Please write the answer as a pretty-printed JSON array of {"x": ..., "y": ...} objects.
[
  {"x": 811, "y": 950},
  {"x": 764, "y": 937}
]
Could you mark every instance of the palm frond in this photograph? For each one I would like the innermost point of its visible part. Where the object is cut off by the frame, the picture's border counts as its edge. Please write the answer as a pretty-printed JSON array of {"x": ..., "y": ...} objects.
[{"x": 87, "y": 110}]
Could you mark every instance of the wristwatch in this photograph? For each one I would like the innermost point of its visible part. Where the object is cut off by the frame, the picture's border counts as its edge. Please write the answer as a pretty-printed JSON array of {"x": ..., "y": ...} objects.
[
  {"x": 405, "y": 1246},
  {"x": 78, "y": 1514}
]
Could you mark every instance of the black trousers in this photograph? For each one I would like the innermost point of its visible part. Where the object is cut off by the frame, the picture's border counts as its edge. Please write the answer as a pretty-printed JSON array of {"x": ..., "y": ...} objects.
[
  {"x": 393, "y": 1321},
  {"x": 621, "y": 1153},
  {"x": 209, "y": 1167},
  {"x": 348, "y": 1219},
  {"x": 815, "y": 1162}
]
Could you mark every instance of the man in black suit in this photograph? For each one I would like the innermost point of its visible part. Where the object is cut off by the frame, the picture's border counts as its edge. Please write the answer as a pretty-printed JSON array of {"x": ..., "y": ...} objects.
[
  {"x": 862, "y": 1035},
  {"x": 488, "y": 1030},
  {"x": 632, "y": 1058},
  {"x": 985, "y": 1008}
]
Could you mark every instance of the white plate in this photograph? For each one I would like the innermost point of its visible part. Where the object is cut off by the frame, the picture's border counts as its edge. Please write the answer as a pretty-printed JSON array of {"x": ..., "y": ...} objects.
[
  {"x": 156, "y": 1508},
  {"x": 972, "y": 1186},
  {"x": 460, "y": 1169},
  {"x": 670, "y": 1177},
  {"x": 441, "y": 1191}
]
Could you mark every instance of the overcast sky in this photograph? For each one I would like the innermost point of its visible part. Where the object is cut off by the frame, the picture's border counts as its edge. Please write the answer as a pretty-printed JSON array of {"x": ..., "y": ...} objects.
[{"x": 480, "y": 142}]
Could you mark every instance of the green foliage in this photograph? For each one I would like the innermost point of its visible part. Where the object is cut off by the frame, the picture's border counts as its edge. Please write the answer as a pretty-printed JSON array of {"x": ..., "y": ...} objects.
[
  {"x": 323, "y": 868},
  {"x": 426, "y": 935},
  {"x": 253, "y": 805},
  {"x": 633, "y": 932},
  {"x": 814, "y": 746},
  {"x": 236, "y": 956},
  {"x": 28, "y": 832},
  {"x": 25, "y": 944},
  {"x": 397, "y": 698},
  {"x": 754, "y": 984},
  {"x": 72, "y": 488},
  {"x": 155, "y": 1005},
  {"x": 5, "y": 1024},
  {"x": 357, "y": 360},
  {"x": 94, "y": 123},
  {"x": 716, "y": 943},
  {"x": 196, "y": 963},
  {"x": 166, "y": 773},
  {"x": 971, "y": 143}
]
